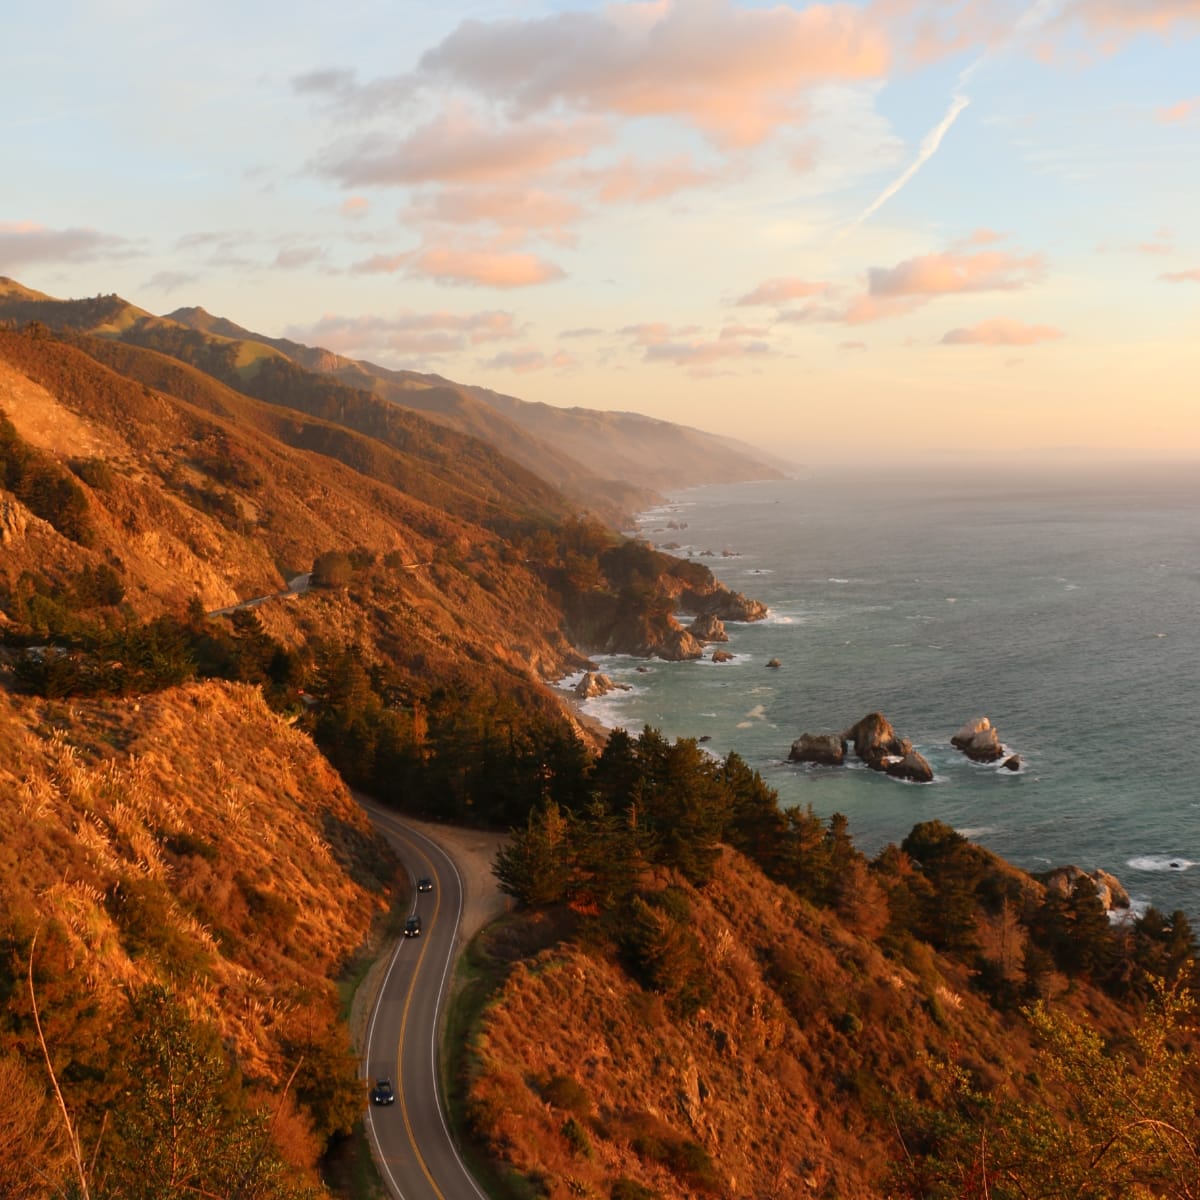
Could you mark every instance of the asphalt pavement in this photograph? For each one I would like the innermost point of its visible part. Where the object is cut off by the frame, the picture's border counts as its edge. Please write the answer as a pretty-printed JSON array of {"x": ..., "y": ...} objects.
[{"x": 411, "y": 1139}]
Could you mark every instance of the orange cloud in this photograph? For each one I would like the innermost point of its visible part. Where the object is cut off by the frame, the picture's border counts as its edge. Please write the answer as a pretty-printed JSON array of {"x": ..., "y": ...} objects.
[
  {"x": 457, "y": 147},
  {"x": 1192, "y": 276},
  {"x": 1001, "y": 332},
  {"x": 780, "y": 290},
  {"x": 380, "y": 264},
  {"x": 732, "y": 72},
  {"x": 484, "y": 268},
  {"x": 354, "y": 208}
]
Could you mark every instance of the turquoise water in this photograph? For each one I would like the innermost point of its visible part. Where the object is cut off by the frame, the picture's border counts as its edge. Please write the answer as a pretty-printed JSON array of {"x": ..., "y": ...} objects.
[{"x": 1063, "y": 608}]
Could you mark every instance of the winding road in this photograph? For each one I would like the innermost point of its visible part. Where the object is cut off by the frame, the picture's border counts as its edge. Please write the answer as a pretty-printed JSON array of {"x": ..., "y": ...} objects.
[{"x": 410, "y": 1139}]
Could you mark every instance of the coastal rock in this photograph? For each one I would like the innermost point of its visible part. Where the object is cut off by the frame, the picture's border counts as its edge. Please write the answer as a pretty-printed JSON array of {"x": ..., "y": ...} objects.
[
  {"x": 912, "y": 767},
  {"x": 979, "y": 741},
  {"x": 875, "y": 741},
  {"x": 720, "y": 602},
  {"x": 721, "y": 656},
  {"x": 1012, "y": 763},
  {"x": 594, "y": 684},
  {"x": 824, "y": 749},
  {"x": 1109, "y": 889},
  {"x": 708, "y": 627},
  {"x": 774, "y": 664}
]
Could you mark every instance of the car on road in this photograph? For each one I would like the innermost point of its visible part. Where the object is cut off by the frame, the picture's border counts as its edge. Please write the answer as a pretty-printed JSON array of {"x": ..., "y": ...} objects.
[
  {"x": 412, "y": 927},
  {"x": 424, "y": 884},
  {"x": 383, "y": 1092}
]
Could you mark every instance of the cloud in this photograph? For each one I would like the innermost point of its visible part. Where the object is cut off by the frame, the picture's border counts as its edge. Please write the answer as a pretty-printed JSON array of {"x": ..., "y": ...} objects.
[
  {"x": 411, "y": 333},
  {"x": 527, "y": 359},
  {"x": 584, "y": 331},
  {"x": 631, "y": 181},
  {"x": 170, "y": 281},
  {"x": 1160, "y": 243},
  {"x": 24, "y": 242},
  {"x": 333, "y": 79},
  {"x": 483, "y": 268},
  {"x": 680, "y": 346},
  {"x": 381, "y": 264},
  {"x": 1001, "y": 332},
  {"x": 505, "y": 207},
  {"x": 292, "y": 258},
  {"x": 457, "y": 147},
  {"x": 1133, "y": 16},
  {"x": 852, "y": 345},
  {"x": 780, "y": 290},
  {"x": 950, "y": 272},
  {"x": 734, "y": 73},
  {"x": 354, "y": 208},
  {"x": 1192, "y": 276},
  {"x": 1179, "y": 111}
]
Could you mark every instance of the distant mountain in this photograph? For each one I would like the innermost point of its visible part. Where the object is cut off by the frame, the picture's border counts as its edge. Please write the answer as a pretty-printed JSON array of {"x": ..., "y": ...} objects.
[{"x": 583, "y": 443}]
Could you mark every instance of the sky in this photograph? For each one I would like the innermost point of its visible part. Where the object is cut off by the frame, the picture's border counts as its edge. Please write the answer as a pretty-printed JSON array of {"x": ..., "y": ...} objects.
[{"x": 885, "y": 231}]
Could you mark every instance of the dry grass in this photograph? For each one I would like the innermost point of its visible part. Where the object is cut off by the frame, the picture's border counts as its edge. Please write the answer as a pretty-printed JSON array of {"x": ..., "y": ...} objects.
[
  {"x": 778, "y": 1086},
  {"x": 192, "y": 835}
]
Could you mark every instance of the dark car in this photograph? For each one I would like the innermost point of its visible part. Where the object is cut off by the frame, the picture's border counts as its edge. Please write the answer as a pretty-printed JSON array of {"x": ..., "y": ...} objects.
[
  {"x": 412, "y": 927},
  {"x": 382, "y": 1092},
  {"x": 424, "y": 884}
]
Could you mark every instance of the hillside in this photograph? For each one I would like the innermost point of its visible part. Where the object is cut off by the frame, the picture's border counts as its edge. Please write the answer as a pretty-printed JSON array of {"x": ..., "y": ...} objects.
[{"x": 190, "y": 863}]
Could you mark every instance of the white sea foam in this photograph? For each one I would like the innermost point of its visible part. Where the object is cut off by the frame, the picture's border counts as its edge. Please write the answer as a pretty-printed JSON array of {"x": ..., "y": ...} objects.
[
  {"x": 1160, "y": 862},
  {"x": 759, "y": 711},
  {"x": 975, "y": 832}
]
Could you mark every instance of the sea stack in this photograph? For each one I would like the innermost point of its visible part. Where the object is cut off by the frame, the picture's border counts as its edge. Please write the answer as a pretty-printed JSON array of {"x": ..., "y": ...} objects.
[{"x": 979, "y": 741}]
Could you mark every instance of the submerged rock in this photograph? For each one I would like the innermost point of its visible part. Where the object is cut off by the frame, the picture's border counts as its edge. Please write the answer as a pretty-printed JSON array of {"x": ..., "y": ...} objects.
[
  {"x": 824, "y": 749},
  {"x": 774, "y": 664},
  {"x": 1012, "y": 763}
]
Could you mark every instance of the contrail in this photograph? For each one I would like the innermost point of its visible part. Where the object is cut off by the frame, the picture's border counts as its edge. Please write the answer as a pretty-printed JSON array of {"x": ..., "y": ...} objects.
[
  {"x": 1037, "y": 14},
  {"x": 929, "y": 144}
]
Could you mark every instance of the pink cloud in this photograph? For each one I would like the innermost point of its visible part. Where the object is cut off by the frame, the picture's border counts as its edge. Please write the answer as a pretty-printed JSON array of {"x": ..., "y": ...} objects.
[
  {"x": 1001, "y": 332},
  {"x": 484, "y": 268},
  {"x": 631, "y": 181},
  {"x": 380, "y": 264},
  {"x": 457, "y": 147},
  {"x": 428, "y": 333},
  {"x": 1134, "y": 16},
  {"x": 1178, "y": 112},
  {"x": 943, "y": 274},
  {"x": 782, "y": 289},
  {"x": 1192, "y": 276},
  {"x": 732, "y": 72},
  {"x": 504, "y": 207},
  {"x": 743, "y": 331},
  {"x": 354, "y": 208}
]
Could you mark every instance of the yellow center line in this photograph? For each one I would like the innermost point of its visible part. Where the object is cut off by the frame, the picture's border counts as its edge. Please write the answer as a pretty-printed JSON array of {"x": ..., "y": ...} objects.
[{"x": 412, "y": 1141}]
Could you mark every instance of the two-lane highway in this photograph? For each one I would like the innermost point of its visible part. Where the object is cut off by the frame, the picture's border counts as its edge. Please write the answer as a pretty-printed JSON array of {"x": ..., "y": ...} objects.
[{"x": 411, "y": 1140}]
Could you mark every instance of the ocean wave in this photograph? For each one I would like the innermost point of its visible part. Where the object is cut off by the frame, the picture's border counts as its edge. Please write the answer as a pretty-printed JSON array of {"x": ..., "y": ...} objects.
[
  {"x": 974, "y": 832},
  {"x": 1160, "y": 862}
]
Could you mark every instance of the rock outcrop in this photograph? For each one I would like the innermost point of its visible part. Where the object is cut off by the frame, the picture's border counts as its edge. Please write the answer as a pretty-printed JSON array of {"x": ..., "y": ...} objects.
[
  {"x": 824, "y": 749},
  {"x": 774, "y": 664},
  {"x": 979, "y": 741},
  {"x": 720, "y": 602},
  {"x": 1109, "y": 888},
  {"x": 912, "y": 767},
  {"x": 722, "y": 656},
  {"x": 708, "y": 627},
  {"x": 594, "y": 684},
  {"x": 875, "y": 742}
]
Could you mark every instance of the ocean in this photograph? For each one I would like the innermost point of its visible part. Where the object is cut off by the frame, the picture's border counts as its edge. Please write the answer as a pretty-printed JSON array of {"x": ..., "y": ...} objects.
[{"x": 1064, "y": 607}]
